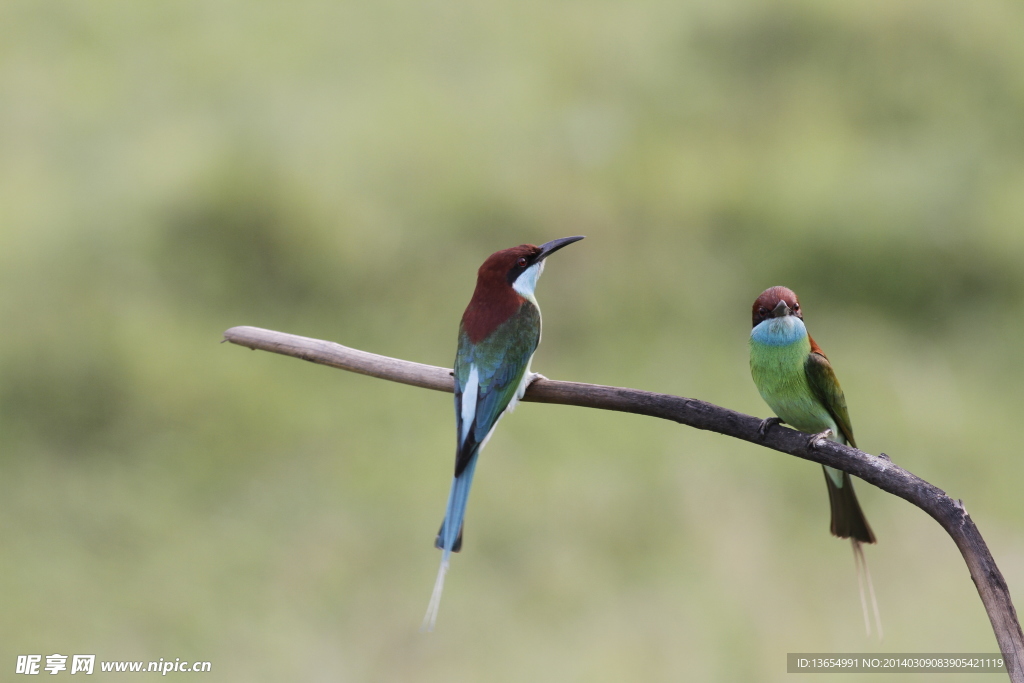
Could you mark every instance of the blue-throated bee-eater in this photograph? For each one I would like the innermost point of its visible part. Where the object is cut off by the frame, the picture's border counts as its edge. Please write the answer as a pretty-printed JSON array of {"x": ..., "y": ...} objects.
[
  {"x": 796, "y": 380},
  {"x": 498, "y": 335}
]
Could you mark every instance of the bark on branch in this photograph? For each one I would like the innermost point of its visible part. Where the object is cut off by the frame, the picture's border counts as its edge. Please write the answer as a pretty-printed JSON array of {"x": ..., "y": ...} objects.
[{"x": 876, "y": 470}]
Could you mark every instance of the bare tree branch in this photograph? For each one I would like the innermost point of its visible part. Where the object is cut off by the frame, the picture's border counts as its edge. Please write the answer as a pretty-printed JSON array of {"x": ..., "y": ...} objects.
[{"x": 879, "y": 471}]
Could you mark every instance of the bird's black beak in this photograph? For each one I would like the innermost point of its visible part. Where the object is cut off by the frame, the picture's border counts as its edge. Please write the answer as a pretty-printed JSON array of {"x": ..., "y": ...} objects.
[
  {"x": 781, "y": 310},
  {"x": 549, "y": 248}
]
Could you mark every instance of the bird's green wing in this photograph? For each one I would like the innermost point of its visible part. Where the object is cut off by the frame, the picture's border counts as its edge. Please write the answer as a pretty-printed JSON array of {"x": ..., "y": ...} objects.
[
  {"x": 499, "y": 361},
  {"x": 826, "y": 389}
]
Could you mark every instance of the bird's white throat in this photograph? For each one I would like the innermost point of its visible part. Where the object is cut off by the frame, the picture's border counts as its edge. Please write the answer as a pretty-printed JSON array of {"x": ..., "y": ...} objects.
[{"x": 526, "y": 283}]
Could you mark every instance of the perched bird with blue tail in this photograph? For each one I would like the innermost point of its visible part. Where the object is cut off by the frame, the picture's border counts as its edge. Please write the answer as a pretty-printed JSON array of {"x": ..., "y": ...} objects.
[
  {"x": 796, "y": 380},
  {"x": 498, "y": 336}
]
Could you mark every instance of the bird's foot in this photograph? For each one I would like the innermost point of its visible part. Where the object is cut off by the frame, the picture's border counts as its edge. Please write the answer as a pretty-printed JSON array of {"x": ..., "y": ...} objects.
[
  {"x": 534, "y": 376},
  {"x": 767, "y": 424},
  {"x": 816, "y": 439}
]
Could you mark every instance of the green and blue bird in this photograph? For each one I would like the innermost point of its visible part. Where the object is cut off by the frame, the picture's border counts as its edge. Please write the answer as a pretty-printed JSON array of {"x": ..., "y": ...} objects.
[
  {"x": 498, "y": 336},
  {"x": 796, "y": 380}
]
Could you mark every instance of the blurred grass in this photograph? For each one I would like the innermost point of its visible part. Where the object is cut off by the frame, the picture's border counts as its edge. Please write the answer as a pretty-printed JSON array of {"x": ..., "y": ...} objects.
[{"x": 340, "y": 170}]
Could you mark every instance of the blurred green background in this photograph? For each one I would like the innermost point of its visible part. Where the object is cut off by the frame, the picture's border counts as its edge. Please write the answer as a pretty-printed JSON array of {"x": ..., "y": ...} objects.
[{"x": 339, "y": 170}]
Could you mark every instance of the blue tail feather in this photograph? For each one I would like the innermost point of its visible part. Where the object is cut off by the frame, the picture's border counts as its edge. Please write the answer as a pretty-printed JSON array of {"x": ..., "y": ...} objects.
[{"x": 449, "y": 538}]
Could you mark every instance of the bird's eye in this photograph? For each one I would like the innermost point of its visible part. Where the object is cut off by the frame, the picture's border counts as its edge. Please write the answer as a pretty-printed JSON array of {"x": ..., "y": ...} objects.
[
  {"x": 521, "y": 263},
  {"x": 796, "y": 307},
  {"x": 762, "y": 311}
]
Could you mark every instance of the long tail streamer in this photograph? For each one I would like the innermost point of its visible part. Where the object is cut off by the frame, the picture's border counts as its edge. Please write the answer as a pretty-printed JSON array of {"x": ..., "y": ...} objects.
[
  {"x": 430, "y": 618},
  {"x": 863, "y": 573},
  {"x": 455, "y": 512}
]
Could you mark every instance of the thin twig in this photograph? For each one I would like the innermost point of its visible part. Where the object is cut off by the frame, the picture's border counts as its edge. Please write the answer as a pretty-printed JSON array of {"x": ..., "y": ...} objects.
[{"x": 879, "y": 471}]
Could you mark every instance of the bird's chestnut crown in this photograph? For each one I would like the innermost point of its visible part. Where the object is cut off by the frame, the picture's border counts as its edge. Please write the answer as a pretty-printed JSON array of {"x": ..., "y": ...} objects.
[
  {"x": 765, "y": 305},
  {"x": 509, "y": 264}
]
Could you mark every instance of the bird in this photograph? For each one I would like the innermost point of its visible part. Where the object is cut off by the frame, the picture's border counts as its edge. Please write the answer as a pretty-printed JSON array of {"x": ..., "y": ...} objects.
[
  {"x": 498, "y": 335},
  {"x": 796, "y": 380}
]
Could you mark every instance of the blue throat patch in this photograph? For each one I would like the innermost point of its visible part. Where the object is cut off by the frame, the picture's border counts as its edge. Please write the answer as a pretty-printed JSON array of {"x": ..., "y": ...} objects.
[{"x": 779, "y": 331}]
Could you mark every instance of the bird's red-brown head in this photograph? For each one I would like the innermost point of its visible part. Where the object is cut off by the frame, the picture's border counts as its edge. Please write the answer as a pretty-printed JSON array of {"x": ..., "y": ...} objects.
[
  {"x": 775, "y": 302},
  {"x": 505, "y": 280},
  {"x": 505, "y": 266}
]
